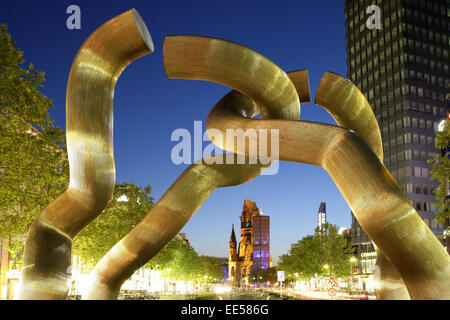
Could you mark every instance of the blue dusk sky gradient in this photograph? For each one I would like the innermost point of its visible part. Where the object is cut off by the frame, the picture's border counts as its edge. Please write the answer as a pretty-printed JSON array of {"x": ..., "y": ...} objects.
[{"x": 148, "y": 106}]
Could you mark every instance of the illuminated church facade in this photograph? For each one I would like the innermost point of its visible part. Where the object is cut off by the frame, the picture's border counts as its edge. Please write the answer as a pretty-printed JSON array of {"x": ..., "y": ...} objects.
[{"x": 253, "y": 251}]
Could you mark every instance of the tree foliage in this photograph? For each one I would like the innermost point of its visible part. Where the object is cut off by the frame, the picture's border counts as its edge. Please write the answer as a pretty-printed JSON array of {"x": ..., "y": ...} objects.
[
  {"x": 33, "y": 160},
  {"x": 179, "y": 261},
  {"x": 128, "y": 207},
  {"x": 263, "y": 275},
  {"x": 441, "y": 173},
  {"x": 212, "y": 268},
  {"x": 309, "y": 255}
]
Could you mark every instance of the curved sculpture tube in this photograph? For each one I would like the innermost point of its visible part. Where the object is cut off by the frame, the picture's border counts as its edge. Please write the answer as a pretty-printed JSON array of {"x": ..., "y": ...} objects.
[
  {"x": 230, "y": 64},
  {"x": 350, "y": 108},
  {"x": 163, "y": 222},
  {"x": 89, "y": 106},
  {"x": 236, "y": 66},
  {"x": 379, "y": 204},
  {"x": 371, "y": 192}
]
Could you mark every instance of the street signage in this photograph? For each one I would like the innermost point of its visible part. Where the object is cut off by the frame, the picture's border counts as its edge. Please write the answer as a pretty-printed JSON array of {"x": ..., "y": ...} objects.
[
  {"x": 332, "y": 287},
  {"x": 280, "y": 276},
  {"x": 332, "y": 283},
  {"x": 332, "y": 292}
]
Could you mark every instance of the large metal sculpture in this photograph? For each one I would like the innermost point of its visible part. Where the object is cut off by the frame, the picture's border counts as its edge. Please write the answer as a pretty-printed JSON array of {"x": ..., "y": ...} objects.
[{"x": 409, "y": 255}]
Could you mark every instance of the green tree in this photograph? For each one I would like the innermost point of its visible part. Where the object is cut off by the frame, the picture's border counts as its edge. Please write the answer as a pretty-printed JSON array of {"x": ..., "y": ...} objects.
[
  {"x": 441, "y": 172},
  {"x": 33, "y": 160},
  {"x": 179, "y": 261},
  {"x": 263, "y": 275},
  {"x": 212, "y": 268},
  {"x": 128, "y": 207},
  {"x": 310, "y": 254}
]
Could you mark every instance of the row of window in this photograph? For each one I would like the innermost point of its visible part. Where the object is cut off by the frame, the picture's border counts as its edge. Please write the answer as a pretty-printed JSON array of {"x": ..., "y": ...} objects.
[
  {"x": 396, "y": 126},
  {"x": 427, "y": 50},
  {"x": 418, "y": 189},
  {"x": 363, "y": 63},
  {"x": 406, "y": 171},
  {"x": 425, "y": 34},
  {"x": 384, "y": 114},
  {"x": 355, "y": 8},
  {"x": 415, "y": 155},
  {"x": 378, "y": 68},
  {"x": 425, "y": 108},
  {"x": 261, "y": 254},
  {"x": 432, "y": 6},
  {"x": 432, "y": 18},
  {"x": 366, "y": 46},
  {"x": 423, "y": 92},
  {"x": 414, "y": 171},
  {"x": 422, "y": 206},
  {"x": 414, "y": 122},
  {"x": 427, "y": 78}
]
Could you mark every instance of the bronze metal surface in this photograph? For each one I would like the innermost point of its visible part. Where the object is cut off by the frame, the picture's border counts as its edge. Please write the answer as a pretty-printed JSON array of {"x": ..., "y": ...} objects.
[
  {"x": 351, "y": 153},
  {"x": 378, "y": 203},
  {"x": 89, "y": 111},
  {"x": 205, "y": 59},
  {"x": 349, "y": 107}
]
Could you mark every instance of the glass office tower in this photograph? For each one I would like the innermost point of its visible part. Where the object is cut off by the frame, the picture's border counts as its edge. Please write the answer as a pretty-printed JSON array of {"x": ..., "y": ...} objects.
[
  {"x": 402, "y": 67},
  {"x": 261, "y": 242},
  {"x": 322, "y": 215}
]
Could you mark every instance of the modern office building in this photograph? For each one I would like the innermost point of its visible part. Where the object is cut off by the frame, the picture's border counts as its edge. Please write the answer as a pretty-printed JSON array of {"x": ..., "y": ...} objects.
[
  {"x": 261, "y": 242},
  {"x": 364, "y": 250},
  {"x": 402, "y": 67},
  {"x": 322, "y": 215}
]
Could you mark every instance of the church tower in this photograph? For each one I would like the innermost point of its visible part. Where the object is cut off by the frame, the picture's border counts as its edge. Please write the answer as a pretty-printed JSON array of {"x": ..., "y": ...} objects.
[
  {"x": 245, "y": 253},
  {"x": 249, "y": 250}
]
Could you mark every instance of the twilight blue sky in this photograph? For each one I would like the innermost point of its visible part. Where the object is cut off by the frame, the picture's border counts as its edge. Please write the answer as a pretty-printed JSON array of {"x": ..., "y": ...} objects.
[{"x": 148, "y": 106}]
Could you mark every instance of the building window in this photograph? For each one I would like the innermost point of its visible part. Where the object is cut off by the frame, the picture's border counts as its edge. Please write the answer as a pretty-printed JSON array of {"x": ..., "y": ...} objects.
[
  {"x": 418, "y": 206},
  {"x": 417, "y": 171}
]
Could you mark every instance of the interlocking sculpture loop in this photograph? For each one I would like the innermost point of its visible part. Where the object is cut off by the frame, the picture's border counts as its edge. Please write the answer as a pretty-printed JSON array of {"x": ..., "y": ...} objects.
[{"x": 412, "y": 262}]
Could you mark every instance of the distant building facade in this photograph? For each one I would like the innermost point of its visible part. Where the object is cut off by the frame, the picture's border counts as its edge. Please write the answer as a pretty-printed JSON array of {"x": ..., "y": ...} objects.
[
  {"x": 183, "y": 237},
  {"x": 254, "y": 244},
  {"x": 261, "y": 242},
  {"x": 403, "y": 70},
  {"x": 322, "y": 215},
  {"x": 364, "y": 249}
]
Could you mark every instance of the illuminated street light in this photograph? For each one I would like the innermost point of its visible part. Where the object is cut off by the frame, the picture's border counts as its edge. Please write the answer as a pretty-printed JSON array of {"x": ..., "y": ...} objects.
[
  {"x": 441, "y": 125},
  {"x": 122, "y": 198}
]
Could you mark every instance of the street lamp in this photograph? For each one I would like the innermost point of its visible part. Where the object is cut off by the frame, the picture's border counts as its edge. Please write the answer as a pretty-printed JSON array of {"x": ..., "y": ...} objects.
[{"x": 326, "y": 267}]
